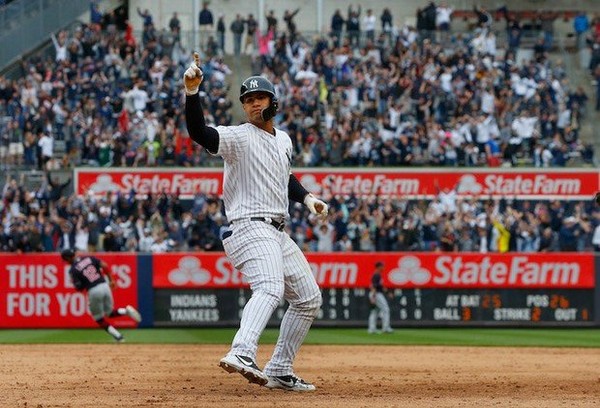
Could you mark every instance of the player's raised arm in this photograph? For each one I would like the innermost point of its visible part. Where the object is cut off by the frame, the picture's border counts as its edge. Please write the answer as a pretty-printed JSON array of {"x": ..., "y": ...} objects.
[{"x": 205, "y": 136}]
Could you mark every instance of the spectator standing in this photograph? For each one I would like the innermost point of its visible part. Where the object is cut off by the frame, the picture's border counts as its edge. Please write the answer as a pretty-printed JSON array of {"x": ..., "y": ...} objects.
[
  {"x": 206, "y": 22},
  {"x": 547, "y": 25},
  {"x": 353, "y": 26},
  {"x": 325, "y": 233},
  {"x": 443, "y": 14},
  {"x": 426, "y": 20},
  {"x": 581, "y": 25},
  {"x": 221, "y": 32},
  {"x": 46, "y": 146},
  {"x": 60, "y": 46},
  {"x": 369, "y": 22},
  {"x": 237, "y": 28},
  {"x": 271, "y": 21},
  {"x": 251, "y": 27},
  {"x": 337, "y": 26},
  {"x": 146, "y": 16},
  {"x": 95, "y": 15},
  {"x": 288, "y": 17},
  {"x": 175, "y": 24},
  {"x": 387, "y": 22}
]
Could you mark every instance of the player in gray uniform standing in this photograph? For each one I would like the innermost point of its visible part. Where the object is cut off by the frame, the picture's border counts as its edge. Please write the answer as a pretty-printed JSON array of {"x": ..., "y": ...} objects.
[
  {"x": 90, "y": 274},
  {"x": 379, "y": 303},
  {"x": 257, "y": 187}
]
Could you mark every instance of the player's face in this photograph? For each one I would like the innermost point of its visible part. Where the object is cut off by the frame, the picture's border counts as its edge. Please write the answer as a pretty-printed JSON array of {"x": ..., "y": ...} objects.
[{"x": 254, "y": 104}]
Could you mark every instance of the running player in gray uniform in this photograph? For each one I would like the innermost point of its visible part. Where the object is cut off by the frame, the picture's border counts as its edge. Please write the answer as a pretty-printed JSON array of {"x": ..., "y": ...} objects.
[
  {"x": 379, "y": 303},
  {"x": 90, "y": 274},
  {"x": 257, "y": 187}
]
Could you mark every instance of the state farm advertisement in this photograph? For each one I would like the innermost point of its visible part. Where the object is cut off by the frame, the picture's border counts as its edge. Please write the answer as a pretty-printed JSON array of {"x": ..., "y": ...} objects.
[
  {"x": 36, "y": 291},
  {"x": 404, "y": 270},
  {"x": 407, "y": 183}
]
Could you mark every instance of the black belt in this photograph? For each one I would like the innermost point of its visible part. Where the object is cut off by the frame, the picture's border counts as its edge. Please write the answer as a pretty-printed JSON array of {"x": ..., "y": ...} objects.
[{"x": 278, "y": 225}]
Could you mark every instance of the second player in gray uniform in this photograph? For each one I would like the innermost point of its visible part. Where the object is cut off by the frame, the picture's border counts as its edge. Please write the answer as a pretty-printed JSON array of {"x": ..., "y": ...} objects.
[
  {"x": 379, "y": 303},
  {"x": 257, "y": 187},
  {"x": 90, "y": 274}
]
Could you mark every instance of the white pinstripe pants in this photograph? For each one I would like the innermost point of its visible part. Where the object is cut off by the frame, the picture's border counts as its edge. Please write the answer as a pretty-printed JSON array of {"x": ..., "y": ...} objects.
[{"x": 275, "y": 268}]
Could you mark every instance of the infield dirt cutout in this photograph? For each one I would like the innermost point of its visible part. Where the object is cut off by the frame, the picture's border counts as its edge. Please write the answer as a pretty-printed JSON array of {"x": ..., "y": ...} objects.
[{"x": 130, "y": 375}]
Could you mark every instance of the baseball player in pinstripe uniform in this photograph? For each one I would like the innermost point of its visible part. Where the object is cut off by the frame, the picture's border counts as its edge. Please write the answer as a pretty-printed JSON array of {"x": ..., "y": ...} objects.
[
  {"x": 89, "y": 274},
  {"x": 257, "y": 187}
]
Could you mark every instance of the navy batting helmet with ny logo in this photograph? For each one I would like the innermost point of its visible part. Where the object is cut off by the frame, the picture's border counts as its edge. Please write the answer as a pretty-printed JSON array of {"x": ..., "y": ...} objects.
[{"x": 260, "y": 84}]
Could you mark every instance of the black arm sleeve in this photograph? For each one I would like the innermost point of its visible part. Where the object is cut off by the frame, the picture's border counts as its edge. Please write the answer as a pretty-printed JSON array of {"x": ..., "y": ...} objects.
[
  {"x": 204, "y": 135},
  {"x": 295, "y": 190}
]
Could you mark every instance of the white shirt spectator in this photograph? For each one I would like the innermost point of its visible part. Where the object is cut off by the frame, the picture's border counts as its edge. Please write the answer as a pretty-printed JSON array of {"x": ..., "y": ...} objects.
[
  {"x": 524, "y": 127},
  {"x": 326, "y": 235},
  {"x": 46, "y": 143},
  {"x": 442, "y": 15},
  {"x": 61, "y": 49},
  {"x": 490, "y": 44},
  {"x": 448, "y": 201},
  {"x": 146, "y": 242},
  {"x": 139, "y": 98},
  {"x": 369, "y": 22},
  {"x": 487, "y": 102},
  {"x": 486, "y": 129},
  {"x": 81, "y": 239},
  {"x": 564, "y": 117},
  {"x": 446, "y": 81},
  {"x": 159, "y": 247},
  {"x": 596, "y": 236}
]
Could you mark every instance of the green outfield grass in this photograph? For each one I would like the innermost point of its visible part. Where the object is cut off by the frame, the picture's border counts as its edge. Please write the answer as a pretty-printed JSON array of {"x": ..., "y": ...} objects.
[{"x": 426, "y": 336}]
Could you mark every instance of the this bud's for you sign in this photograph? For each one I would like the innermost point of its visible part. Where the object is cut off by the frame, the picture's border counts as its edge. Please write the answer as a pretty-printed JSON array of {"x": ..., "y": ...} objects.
[{"x": 36, "y": 291}]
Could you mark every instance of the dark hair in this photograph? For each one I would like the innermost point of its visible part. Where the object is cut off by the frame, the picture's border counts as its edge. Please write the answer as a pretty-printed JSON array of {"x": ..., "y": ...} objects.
[{"x": 67, "y": 254}]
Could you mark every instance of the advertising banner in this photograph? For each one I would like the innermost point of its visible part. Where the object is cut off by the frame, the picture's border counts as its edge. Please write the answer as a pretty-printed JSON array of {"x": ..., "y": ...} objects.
[
  {"x": 402, "y": 270},
  {"x": 399, "y": 183},
  {"x": 36, "y": 291}
]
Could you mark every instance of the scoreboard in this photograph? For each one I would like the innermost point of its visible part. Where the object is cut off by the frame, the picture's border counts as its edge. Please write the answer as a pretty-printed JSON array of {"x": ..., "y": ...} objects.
[{"x": 409, "y": 307}]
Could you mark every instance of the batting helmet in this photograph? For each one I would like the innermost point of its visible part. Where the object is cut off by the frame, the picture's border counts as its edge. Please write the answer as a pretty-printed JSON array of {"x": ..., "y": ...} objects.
[
  {"x": 67, "y": 254},
  {"x": 260, "y": 84}
]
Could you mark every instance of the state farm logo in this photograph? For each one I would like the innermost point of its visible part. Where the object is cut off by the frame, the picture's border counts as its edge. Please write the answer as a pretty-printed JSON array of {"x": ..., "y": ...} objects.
[
  {"x": 409, "y": 270},
  {"x": 104, "y": 183},
  {"x": 500, "y": 271},
  {"x": 189, "y": 271},
  {"x": 362, "y": 184},
  {"x": 186, "y": 184},
  {"x": 468, "y": 185},
  {"x": 509, "y": 184}
]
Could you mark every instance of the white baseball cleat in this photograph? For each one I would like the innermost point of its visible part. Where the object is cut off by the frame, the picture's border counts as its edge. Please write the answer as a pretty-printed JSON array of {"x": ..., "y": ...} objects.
[
  {"x": 289, "y": 383},
  {"x": 134, "y": 314},
  {"x": 245, "y": 366}
]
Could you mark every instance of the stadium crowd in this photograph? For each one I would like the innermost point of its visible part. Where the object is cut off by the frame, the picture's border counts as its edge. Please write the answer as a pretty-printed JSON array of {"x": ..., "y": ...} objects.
[
  {"x": 389, "y": 97},
  {"x": 46, "y": 220},
  {"x": 360, "y": 96}
]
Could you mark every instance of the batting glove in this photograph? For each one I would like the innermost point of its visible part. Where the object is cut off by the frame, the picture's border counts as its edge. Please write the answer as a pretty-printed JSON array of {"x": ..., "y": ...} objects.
[
  {"x": 193, "y": 76},
  {"x": 316, "y": 206}
]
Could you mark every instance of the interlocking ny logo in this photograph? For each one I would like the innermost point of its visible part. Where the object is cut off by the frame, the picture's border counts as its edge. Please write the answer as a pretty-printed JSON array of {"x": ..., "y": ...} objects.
[{"x": 253, "y": 83}]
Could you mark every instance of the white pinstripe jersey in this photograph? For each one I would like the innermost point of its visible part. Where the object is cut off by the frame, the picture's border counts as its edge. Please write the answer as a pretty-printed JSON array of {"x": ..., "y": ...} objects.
[{"x": 257, "y": 171}]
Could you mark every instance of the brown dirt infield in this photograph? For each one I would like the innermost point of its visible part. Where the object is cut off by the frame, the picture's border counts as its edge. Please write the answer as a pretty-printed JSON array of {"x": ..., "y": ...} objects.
[{"x": 129, "y": 375}]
